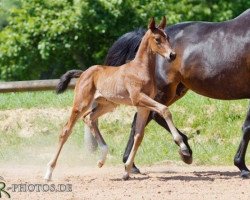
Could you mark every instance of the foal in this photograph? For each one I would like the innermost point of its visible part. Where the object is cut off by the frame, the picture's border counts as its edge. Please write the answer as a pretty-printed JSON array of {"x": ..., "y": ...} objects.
[{"x": 131, "y": 84}]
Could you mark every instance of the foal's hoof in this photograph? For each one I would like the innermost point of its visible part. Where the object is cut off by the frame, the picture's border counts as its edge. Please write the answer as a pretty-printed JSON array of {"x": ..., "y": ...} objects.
[
  {"x": 186, "y": 156},
  {"x": 245, "y": 174},
  {"x": 135, "y": 170},
  {"x": 125, "y": 177},
  {"x": 100, "y": 163},
  {"x": 48, "y": 175}
]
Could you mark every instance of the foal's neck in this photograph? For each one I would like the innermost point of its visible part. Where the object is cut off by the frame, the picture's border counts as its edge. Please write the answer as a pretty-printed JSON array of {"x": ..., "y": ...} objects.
[{"x": 146, "y": 56}]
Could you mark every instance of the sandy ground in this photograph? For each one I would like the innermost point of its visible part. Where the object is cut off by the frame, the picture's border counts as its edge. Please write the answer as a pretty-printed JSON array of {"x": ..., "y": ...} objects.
[
  {"x": 158, "y": 182},
  {"x": 161, "y": 181}
]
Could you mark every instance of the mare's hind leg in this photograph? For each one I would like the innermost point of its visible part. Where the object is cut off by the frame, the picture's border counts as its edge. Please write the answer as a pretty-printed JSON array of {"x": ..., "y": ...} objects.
[
  {"x": 142, "y": 116},
  {"x": 90, "y": 121},
  {"x": 239, "y": 159}
]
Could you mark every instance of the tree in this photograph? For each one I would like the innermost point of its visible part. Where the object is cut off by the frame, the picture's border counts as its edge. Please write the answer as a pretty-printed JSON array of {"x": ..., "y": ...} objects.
[
  {"x": 5, "y": 5},
  {"x": 43, "y": 39}
]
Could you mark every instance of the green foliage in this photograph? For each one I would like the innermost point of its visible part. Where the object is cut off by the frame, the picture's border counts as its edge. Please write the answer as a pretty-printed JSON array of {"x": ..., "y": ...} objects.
[
  {"x": 191, "y": 10},
  {"x": 5, "y": 6},
  {"x": 43, "y": 39}
]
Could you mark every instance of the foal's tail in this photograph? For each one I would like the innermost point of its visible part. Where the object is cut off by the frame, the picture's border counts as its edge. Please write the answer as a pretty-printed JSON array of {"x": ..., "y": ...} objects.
[{"x": 65, "y": 80}]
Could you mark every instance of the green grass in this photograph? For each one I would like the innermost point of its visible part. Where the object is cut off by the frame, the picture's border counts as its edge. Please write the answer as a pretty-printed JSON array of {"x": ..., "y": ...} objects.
[
  {"x": 213, "y": 126},
  {"x": 35, "y": 99}
]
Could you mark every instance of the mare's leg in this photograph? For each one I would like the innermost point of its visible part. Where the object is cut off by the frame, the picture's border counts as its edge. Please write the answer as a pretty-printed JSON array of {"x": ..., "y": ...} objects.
[
  {"x": 91, "y": 122},
  {"x": 142, "y": 116},
  {"x": 239, "y": 159}
]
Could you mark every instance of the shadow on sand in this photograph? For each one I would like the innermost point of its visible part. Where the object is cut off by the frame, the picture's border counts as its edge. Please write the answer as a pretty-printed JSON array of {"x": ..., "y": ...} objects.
[{"x": 201, "y": 176}]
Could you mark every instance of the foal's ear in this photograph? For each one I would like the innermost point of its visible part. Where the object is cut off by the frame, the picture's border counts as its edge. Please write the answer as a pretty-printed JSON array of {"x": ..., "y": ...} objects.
[
  {"x": 163, "y": 23},
  {"x": 151, "y": 24}
]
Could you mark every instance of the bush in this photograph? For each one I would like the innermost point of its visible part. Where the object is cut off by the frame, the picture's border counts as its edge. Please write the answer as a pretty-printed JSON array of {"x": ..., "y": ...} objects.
[{"x": 43, "y": 39}]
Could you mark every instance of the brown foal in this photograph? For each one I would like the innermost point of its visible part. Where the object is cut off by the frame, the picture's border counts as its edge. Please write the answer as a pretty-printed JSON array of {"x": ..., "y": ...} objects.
[{"x": 130, "y": 84}]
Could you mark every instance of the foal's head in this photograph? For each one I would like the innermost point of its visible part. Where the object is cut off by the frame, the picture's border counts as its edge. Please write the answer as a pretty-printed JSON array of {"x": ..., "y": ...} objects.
[{"x": 159, "y": 40}]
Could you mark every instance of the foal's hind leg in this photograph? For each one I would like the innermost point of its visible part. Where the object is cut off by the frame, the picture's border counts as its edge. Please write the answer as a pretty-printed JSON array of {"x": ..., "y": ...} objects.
[
  {"x": 62, "y": 139},
  {"x": 80, "y": 107},
  {"x": 90, "y": 121},
  {"x": 239, "y": 159}
]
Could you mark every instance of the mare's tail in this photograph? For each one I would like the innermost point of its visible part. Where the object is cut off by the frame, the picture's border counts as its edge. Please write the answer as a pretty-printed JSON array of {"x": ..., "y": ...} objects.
[{"x": 65, "y": 80}]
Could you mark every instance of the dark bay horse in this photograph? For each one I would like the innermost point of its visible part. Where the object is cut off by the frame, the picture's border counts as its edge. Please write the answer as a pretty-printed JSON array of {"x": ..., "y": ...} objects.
[
  {"x": 213, "y": 60},
  {"x": 131, "y": 84}
]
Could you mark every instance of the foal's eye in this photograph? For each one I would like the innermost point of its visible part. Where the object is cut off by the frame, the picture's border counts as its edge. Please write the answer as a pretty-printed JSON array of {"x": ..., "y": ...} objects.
[{"x": 158, "y": 40}]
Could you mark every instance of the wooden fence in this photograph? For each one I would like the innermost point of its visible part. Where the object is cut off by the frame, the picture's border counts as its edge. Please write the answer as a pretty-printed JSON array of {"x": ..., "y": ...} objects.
[
  {"x": 39, "y": 85},
  {"x": 36, "y": 85}
]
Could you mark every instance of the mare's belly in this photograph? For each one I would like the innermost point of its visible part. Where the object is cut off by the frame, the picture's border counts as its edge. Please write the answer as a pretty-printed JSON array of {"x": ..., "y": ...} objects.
[{"x": 220, "y": 89}]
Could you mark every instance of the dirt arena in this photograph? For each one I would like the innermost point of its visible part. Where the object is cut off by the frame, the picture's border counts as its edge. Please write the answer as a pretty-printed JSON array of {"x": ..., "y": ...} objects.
[{"x": 164, "y": 181}]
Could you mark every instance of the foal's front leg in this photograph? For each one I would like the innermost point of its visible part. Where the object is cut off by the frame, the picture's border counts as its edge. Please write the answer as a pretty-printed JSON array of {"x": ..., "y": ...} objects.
[
  {"x": 142, "y": 117},
  {"x": 163, "y": 110}
]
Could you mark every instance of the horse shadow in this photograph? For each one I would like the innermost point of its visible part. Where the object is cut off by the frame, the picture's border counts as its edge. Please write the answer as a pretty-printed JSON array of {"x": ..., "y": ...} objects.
[
  {"x": 168, "y": 175},
  {"x": 141, "y": 178},
  {"x": 200, "y": 176}
]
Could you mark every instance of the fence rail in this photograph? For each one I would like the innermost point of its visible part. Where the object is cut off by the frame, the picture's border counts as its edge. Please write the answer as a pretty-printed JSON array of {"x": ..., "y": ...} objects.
[{"x": 36, "y": 85}]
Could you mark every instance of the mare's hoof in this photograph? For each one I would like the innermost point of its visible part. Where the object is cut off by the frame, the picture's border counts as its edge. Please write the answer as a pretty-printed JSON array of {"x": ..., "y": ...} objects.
[
  {"x": 186, "y": 156},
  {"x": 100, "y": 163},
  {"x": 125, "y": 177},
  {"x": 135, "y": 170},
  {"x": 245, "y": 174}
]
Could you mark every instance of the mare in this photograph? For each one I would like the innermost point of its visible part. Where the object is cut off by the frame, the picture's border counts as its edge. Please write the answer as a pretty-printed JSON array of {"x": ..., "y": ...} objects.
[
  {"x": 131, "y": 84},
  {"x": 212, "y": 59}
]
